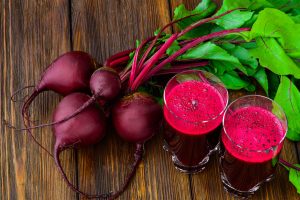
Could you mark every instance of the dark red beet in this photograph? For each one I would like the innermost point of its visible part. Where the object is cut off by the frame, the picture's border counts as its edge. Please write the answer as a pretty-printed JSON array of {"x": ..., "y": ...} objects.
[
  {"x": 105, "y": 83},
  {"x": 137, "y": 117},
  {"x": 69, "y": 73},
  {"x": 85, "y": 129}
]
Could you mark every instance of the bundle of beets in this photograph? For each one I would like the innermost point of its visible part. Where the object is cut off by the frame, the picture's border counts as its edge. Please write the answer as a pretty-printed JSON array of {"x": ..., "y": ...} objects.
[{"x": 239, "y": 43}]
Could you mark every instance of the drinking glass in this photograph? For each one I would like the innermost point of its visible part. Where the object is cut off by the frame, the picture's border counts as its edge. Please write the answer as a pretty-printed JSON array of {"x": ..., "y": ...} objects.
[
  {"x": 194, "y": 103},
  {"x": 254, "y": 128}
]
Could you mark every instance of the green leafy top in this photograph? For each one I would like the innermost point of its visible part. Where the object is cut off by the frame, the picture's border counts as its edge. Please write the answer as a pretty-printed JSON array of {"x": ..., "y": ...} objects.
[
  {"x": 288, "y": 96},
  {"x": 203, "y": 10},
  {"x": 294, "y": 178}
]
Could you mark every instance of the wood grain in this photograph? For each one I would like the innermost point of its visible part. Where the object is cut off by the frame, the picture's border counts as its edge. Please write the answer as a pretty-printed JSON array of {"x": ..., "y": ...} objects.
[
  {"x": 103, "y": 28},
  {"x": 32, "y": 35}
]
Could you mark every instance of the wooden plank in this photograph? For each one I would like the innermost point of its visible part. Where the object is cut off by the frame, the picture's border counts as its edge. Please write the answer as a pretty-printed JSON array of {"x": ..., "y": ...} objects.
[
  {"x": 32, "y": 35},
  {"x": 103, "y": 28},
  {"x": 207, "y": 185}
]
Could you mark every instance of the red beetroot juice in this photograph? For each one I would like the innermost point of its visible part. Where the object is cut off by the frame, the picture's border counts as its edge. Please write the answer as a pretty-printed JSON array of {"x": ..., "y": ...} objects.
[
  {"x": 250, "y": 148},
  {"x": 192, "y": 123}
]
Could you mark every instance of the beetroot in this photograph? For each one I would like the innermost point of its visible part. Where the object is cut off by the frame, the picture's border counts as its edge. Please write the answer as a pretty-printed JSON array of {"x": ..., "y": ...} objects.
[
  {"x": 85, "y": 129},
  {"x": 137, "y": 117},
  {"x": 105, "y": 84}
]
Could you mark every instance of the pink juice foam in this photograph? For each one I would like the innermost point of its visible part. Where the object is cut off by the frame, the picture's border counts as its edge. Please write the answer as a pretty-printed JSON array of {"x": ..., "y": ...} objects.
[
  {"x": 192, "y": 102},
  {"x": 255, "y": 130}
]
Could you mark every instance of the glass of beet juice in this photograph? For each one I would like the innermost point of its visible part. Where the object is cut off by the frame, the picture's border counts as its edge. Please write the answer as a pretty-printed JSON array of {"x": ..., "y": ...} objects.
[
  {"x": 194, "y": 103},
  {"x": 254, "y": 128}
]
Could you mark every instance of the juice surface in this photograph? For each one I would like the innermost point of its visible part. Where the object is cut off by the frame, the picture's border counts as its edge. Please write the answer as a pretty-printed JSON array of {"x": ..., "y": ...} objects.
[
  {"x": 192, "y": 102},
  {"x": 254, "y": 129}
]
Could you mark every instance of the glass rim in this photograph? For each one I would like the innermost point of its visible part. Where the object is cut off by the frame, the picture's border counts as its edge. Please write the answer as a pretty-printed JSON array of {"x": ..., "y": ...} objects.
[
  {"x": 201, "y": 121},
  {"x": 255, "y": 150}
]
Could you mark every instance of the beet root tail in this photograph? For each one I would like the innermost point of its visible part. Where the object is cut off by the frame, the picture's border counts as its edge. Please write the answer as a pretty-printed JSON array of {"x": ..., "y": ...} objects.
[
  {"x": 138, "y": 155},
  {"x": 26, "y": 120},
  {"x": 57, "y": 152},
  {"x": 137, "y": 159}
]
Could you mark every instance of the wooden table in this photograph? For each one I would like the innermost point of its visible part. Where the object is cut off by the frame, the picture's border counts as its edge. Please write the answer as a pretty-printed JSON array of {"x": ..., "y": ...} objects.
[{"x": 33, "y": 33}]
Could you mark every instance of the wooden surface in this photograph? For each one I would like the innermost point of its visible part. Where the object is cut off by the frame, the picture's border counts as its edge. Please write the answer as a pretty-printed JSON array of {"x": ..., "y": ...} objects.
[{"x": 32, "y": 34}]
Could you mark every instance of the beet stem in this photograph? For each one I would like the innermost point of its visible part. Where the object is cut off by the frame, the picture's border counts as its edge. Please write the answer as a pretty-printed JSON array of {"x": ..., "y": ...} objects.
[
  {"x": 166, "y": 45},
  {"x": 117, "y": 55},
  {"x": 141, "y": 78},
  {"x": 177, "y": 68},
  {"x": 134, "y": 67},
  {"x": 203, "y": 78},
  {"x": 142, "y": 61},
  {"x": 125, "y": 73},
  {"x": 119, "y": 61},
  {"x": 203, "y": 21},
  {"x": 154, "y": 59},
  {"x": 287, "y": 164}
]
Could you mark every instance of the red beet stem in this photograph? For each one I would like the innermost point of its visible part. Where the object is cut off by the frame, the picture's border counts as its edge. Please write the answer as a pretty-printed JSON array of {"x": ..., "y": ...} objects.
[
  {"x": 203, "y": 21},
  {"x": 154, "y": 59},
  {"x": 116, "y": 56},
  {"x": 144, "y": 57},
  {"x": 119, "y": 61},
  {"x": 125, "y": 76},
  {"x": 148, "y": 65},
  {"x": 287, "y": 164},
  {"x": 177, "y": 68},
  {"x": 141, "y": 78},
  {"x": 134, "y": 67}
]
